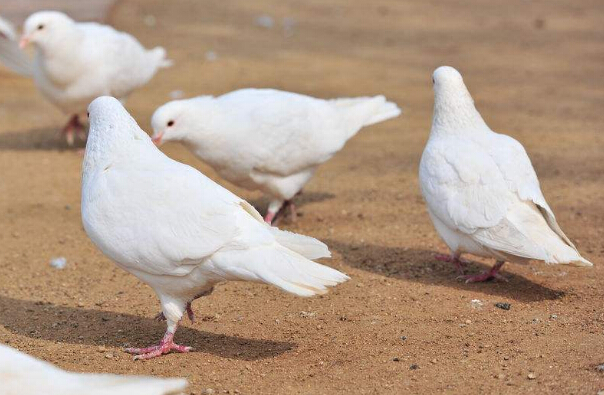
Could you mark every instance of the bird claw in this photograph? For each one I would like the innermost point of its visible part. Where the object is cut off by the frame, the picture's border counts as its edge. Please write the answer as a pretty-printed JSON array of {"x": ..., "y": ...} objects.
[{"x": 156, "y": 351}]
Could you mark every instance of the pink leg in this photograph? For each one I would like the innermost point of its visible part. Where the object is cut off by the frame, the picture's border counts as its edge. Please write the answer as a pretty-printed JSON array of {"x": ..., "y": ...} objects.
[
  {"x": 487, "y": 275},
  {"x": 269, "y": 217},
  {"x": 453, "y": 258},
  {"x": 165, "y": 346},
  {"x": 72, "y": 127},
  {"x": 190, "y": 313}
]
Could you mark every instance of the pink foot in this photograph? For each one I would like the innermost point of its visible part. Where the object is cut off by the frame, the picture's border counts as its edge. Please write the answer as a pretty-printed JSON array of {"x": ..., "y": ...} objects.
[
  {"x": 165, "y": 346},
  {"x": 487, "y": 275},
  {"x": 454, "y": 258}
]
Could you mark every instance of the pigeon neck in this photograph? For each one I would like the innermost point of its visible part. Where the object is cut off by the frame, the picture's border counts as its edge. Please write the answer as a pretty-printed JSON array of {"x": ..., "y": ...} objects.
[{"x": 454, "y": 112}]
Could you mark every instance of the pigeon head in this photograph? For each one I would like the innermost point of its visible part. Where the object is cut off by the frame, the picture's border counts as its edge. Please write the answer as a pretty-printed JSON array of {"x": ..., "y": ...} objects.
[
  {"x": 174, "y": 120},
  {"x": 112, "y": 130},
  {"x": 45, "y": 29},
  {"x": 454, "y": 109}
]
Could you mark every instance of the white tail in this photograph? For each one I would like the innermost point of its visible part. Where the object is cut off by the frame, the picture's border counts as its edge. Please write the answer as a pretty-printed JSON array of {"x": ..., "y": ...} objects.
[
  {"x": 279, "y": 266},
  {"x": 159, "y": 54},
  {"x": 371, "y": 109},
  {"x": 14, "y": 58}
]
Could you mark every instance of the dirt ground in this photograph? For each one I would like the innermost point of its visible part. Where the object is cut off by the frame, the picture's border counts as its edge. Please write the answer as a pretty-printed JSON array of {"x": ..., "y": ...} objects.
[{"x": 403, "y": 324}]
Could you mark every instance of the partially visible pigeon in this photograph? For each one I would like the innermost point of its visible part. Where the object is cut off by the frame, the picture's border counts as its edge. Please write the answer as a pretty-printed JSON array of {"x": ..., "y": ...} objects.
[
  {"x": 267, "y": 139},
  {"x": 481, "y": 190},
  {"x": 77, "y": 62},
  {"x": 21, "y": 374},
  {"x": 11, "y": 55},
  {"x": 177, "y": 230}
]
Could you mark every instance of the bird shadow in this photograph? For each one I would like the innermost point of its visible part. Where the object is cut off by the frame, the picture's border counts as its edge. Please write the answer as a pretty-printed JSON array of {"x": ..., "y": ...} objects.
[
  {"x": 421, "y": 266},
  {"x": 47, "y": 139},
  {"x": 42, "y": 320},
  {"x": 261, "y": 204}
]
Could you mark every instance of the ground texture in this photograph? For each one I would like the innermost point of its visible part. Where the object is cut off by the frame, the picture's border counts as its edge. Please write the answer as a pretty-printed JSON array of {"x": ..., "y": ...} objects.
[{"x": 403, "y": 323}]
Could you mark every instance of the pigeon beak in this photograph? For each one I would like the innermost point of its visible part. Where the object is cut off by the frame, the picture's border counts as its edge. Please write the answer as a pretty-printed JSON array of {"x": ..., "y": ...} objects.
[
  {"x": 23, "y": 42},
  {"x": 157, "y": 138}
]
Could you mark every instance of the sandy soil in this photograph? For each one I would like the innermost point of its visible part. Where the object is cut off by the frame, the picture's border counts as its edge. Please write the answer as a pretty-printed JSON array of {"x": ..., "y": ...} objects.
[{"x": 535, "y": 69}]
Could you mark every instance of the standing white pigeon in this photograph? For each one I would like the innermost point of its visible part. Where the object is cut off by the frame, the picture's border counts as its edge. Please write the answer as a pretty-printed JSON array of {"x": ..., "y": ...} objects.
[
  {"x": 481, "y": 190},
  {"x": 77, "y": 62},
  {"x": 21, "y": 374},
  {"x": 177, "y": 230},
  {"x": 267, "y": 139}
]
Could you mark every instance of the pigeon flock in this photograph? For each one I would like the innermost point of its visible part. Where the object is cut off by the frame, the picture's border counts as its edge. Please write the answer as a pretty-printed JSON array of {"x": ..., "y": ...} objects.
[{"x": 181, "y": 233}]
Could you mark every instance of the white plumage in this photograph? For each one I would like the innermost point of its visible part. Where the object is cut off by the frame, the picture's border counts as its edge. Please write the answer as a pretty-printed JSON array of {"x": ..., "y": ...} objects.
[
  {"x": 481, "y": 190},
  {"x": 76, "y": 62},
  {"x": 21, "y": 374},
  {"x": 176, "y": 229},
  {"x": 11, "y": 55},
  {"x": 267, "y": 139}
]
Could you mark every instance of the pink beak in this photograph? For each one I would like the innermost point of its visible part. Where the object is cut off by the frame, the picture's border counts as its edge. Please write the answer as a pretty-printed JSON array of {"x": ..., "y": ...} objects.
[
  {"x": 23, "y": 42},
  {"x": 157, "y": 138}
]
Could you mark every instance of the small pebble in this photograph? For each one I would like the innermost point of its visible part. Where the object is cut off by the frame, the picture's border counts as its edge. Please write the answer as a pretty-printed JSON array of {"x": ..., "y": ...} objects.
[
  {"x": 109, "y": 355},
  {"x": 553, "y": 316},
  {"x": 414, "y": 366},
  {"x": 600, "y": 368},
  {"x": 403, "y": 338},
  {"x": 207, "y": 391},
  {"x": 396, "y": 359},
  {"x": 58, "y": 263},
  {"x": 503, "y": 306},
  {"x": 531, "y": 376}
]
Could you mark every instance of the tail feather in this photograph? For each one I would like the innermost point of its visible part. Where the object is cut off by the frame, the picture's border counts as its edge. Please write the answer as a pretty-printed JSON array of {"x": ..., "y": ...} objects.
[
  {"x": 159, "y": 54},
  {"x": 306, "y": 246},
  {"x": 14, "y": 58},
  {"x": 372, "y": 109},
  {"x": 276, "y": 265}
]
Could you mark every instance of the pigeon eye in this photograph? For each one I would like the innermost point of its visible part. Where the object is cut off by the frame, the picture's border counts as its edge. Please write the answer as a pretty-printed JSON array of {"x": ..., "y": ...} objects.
[
  {"x": 433, "y": 81},
  {"x": 40, "y": 27},
  {"x": 88, "y": 114},
  {"x": 170, "y": 123}
]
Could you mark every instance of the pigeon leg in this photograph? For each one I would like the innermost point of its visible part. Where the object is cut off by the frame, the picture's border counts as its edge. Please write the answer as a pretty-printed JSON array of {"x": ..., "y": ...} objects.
[
  {"x": 190, "y": 313},
  {"x": 453, "y": 258},
  {"x": 73, "y": 127},
  {"x": 487, "y": 275},
  {"x": 274, "y": 208},
  {"x": 165, "y": 346}
]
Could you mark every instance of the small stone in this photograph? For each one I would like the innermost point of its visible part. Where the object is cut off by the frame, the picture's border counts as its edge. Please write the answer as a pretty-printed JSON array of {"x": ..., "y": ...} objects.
[
  {"x": 600, "y": 368},
  {"x": 403, "y": 338},
  {"x": 468, "y": 322},
  {"x": 500, "y": 376},
  {"x": 506, "y": 358},
  {"x": 307, "y": 314},
  {"x": 396, "y": 359},
  {"x": 414, "y": 367},
  {"x": 109, "y": 355},
  {"x": 102, "y": 349},
  {"x": 503, "y": 306},
  {"x": 553, "y": 316},
  {"x": 434, "y": 361},
  {"x": 531, "y": 376},
  {"x": 207, "y": 391}
]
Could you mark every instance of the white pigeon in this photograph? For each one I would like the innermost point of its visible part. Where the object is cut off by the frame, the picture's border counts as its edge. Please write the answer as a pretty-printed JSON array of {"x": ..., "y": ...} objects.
[
  {"x": 11, "y": 55},
  {"x": 77, "y": 62},
  {"x": 22, "y": 374},
  {"x": 267, "y": 139},
  {"x": 482, "y": 192},
  {"x": 179, "y": 231}
]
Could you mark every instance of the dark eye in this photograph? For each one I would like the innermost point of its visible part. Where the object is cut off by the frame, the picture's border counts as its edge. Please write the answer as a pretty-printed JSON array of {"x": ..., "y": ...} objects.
[
  {"x": 88, "y": 114},
  {"x": 433, "y": 81},
  {"x": 170, "y": 123},
  {"x": 40, "y": 27}
]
